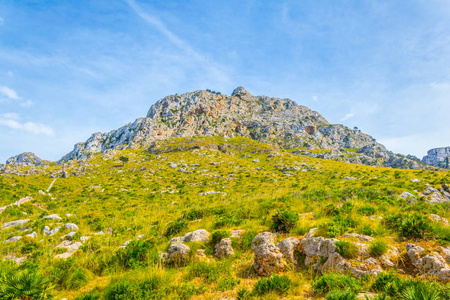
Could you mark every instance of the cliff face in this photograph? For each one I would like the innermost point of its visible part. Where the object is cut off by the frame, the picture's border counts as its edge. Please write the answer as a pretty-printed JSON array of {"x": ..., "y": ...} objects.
[
  {"x": 262, "y": 118},
  {"x": 438, "y": 157}
]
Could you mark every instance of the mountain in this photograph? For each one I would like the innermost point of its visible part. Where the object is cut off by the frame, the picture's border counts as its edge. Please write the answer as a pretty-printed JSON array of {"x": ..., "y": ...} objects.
[
  {"x": 438, "y": 157},
  {"x": 266, "y": 119},
  {"x": 26, "y": 158}
]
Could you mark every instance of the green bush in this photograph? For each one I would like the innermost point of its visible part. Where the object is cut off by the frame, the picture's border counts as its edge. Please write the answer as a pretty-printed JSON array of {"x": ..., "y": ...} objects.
[
  {"x": 422, "y": 291},
  {"x": 90, "y": 296},
  {"x": 218, "y": 235},
  {"x": 332, "y": 281},
  {"x": 25, "y": 284},
  {"x": 414, "y": 226},
  {"x": 275, "y": 283},
  {"x": 377, "y": 248},
  {"x": 339, "y": 294},
  {"x": 137, "y": 253},
  {"x": 175, "y": 227},
  {"x": 284, "y": 220},
  {"x": 366, "y": 210},
  {"x": 382, "y": 281},
  {"x": 348, "y": 250}
]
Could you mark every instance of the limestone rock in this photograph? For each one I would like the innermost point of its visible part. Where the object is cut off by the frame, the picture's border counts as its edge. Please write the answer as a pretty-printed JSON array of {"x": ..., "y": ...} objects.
[
  {"x": 13, "y": 239},
  {"x": 46, "y": 230},
  {"x": 335, "y": 263},
  {"x": 446, "y": 253},
  {"x": 386, "y": 259},
  {"x": 223, "y": 248},
  {"x": 178, "y": 254},
  {"x": 236, "y": 233},
  {"x": 361, "y": 237},
  {"x": 26, "y": 158},
  {"x": 288, "y": 247},
  {"x": 71, "y": 246},
  {"x": 262, "y": 238},
  {"x": 268, "y": 260},
  {"x": 32, "y": 235},
  {"x": 440, "y": 219},
  {"x": 414, "y": 252},
  {"x": 16, "y": 259},
  {"x": 438, "y": 157},
  {"x": 53, "y": 231},
  {"x": 71, "y": 226},
  {"x": 200, "y": 255},
  {"x": 52, "y": 217},
  {"x": 200, "y": 235},
  {"x": 14, "y": 223}
]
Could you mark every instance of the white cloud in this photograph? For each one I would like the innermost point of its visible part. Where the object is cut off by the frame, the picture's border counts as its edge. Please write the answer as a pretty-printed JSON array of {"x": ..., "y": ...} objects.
[
  {"x": 9, "y": 93},
  {"x": 347, "y": 116},
  {"x": 11, "y": 120},
  {"x": 26, "y": 103}
]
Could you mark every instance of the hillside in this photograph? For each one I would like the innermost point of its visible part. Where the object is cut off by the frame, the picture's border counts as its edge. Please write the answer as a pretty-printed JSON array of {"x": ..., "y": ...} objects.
[
  {"x": 211, "y": 217},
  {"x": 276, "y": 121}
]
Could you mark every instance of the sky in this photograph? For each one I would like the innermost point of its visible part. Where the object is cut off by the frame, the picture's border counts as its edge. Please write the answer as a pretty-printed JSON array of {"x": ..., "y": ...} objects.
[{"x": 72, "y": 68}]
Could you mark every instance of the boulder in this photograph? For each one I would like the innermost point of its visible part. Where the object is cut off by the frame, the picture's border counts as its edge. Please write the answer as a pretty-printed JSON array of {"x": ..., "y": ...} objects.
[
  {"x": 262, "y": 238},
  {"x": 386, "y": 259},
  {"x": 414, "y": 253},
  {"x": 68, "y": 236},
  {"x": 46, "y": 230},
  {"x": 369, "y": 267},
  {"x": 223, "y": 248},
  {"x": 288, "y": 247},
  {"x": 71, "y": 226},
  {"x": 176, "y": 240},
  {"x": 14, "y": 223},
  {"x": 13, "y": 239},
  {"x": 54, "y": 231},
  {"x": 52, "y": 217},
  {"x": 16, "y": 259},
  {"x": 178, "y": 254},
  {"x": 200, "y": 235},
  {"x": 335, "y": 263},
  {"x": 439, "y": 219},
  {"x": 268, "y": 260},
  {"x": 432, "y": 264},
  {"x": 236, "y": 233},
  {"x": 32, "y": 235},
  {"x": 446, "y": 253},
  {"x": 70, "y": 246},
  {"x": 410, "y": 198},
  {"x": 315, "y": 247}
]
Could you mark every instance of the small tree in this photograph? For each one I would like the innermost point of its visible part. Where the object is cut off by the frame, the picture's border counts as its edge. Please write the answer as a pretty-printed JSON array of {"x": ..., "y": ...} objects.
[{"x": 124, "y": 160}]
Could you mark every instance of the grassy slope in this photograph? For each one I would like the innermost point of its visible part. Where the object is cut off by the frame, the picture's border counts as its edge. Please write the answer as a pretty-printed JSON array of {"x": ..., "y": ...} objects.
[{"x": 148, "y": 194}]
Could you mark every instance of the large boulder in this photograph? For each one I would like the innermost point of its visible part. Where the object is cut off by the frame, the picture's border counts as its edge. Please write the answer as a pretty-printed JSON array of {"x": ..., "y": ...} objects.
[
  {"x": 288, "y": 247},
  {"x": 315, "y": 247},
  {"x": 335, "y": 263},
  {"x": 71, "y": 226},
  {"x": 178, "y": 254},
  {"x": 200, "y": 235},
  {"x": 262, "y": 238},
  {"x": 268, "y": 260},
  {"x": 223, "y": 248}
]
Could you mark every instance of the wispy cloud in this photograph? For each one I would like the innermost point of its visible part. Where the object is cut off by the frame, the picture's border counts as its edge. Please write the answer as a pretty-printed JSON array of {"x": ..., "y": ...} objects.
[
  {"x": 9, "y": 93},
  {"x": 347, "y": 116},
  {"x": 11, "y": 120}
]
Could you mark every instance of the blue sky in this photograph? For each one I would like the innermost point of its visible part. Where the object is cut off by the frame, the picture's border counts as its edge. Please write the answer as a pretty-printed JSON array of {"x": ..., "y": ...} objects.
[{"x": 72, "y": 68}]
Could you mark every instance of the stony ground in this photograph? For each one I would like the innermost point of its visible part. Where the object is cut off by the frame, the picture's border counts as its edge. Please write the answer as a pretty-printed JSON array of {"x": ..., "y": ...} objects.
[{"x": 215, "y": 218}]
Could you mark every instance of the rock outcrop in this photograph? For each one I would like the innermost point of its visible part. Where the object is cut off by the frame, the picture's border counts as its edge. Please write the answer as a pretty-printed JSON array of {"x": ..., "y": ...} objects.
[
  {"x": 268, "y": 258},
  {"x": 438, "y": 157},
  {"x": 262, "y": 118},
  {"x": 26, "y": 158}
]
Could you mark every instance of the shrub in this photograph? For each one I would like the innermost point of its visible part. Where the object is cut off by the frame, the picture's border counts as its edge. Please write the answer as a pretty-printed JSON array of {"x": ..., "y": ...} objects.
[
  {"x": 244, "y": 294},
  {"x": 25, "y": 284},
  {"x": 422, "y": 291},
  {"x": 377, "y": 248},
  {"x": 382, "y": 281},
  {"x": 332, "y": 281},
  {"x": 284, "y": 220},
  {"x": 341, "y": 295},
  {"x": 366, "y": 210},
  {"x": 90, "y": 296},
  {"x": 218, "y": 235},
  {"x": 348, "y": 250},
  {"x": 137, "y": 253},
  {"x": 414, "y": 226},
  {"x": 275, "y": 283},
  {"x": 175, "y": 227}
]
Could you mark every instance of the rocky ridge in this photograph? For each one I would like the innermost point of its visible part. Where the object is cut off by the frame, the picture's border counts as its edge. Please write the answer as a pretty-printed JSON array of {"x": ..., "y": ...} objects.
[
  {"x": 26, "y": 158},
  {"x": 438, "y": 157},
  {"x": 262, "y": 118}
]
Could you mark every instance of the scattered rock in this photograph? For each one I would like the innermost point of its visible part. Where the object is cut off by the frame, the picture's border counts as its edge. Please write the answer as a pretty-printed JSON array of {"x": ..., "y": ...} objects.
[
  {"x": 14, "y": 223},
  {"x": 54, "y": 231},
  {"x": 32, "y": 235},
  {"x": 335, "y": 263},
  {"x": 268, "y": 257},
  {"x": 288, "y": 247},
  {"x": 70, "y": 246},
  {"x": 124, "y": 245},
  {"x": 223, "y": 248},
  {"x": 52, "y": 217},
  {"x": 361, "y": 237},
  {"x": 178, "y": 254},
  {"x": 437, "y": 218},
  {"x": 200, "y": 235},
  {"x": 13, "y": 239},
  {"x": 16, "y": 259},
  {"x": 71, "y": 226},
  {"x": 236, "y": 233},
  {"x": 68, "y": 236},
  {"x": 46, "y": 230},
  {"x": 200, "y": 255},
  {"x": 262, "y": 238},
  {"x": 410, "y": 198}
]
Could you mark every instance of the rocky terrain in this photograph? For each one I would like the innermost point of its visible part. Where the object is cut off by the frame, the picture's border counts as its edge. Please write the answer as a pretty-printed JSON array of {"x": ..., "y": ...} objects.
[
  {"x": 26, "y": 158},
  {"x": 223, "y": 218},
  {"x": 265, "y": 119},
  {"x": 438, "y": 157}
]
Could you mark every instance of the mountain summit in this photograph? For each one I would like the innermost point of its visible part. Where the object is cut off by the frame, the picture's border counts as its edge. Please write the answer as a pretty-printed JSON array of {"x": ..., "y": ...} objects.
[{"x": 262, "y": 118}]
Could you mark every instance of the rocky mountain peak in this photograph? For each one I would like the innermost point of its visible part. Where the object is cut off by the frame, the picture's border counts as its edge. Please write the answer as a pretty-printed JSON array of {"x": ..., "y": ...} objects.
[
  {"x": 240, "y": 90},
  {"x": 26, "y": 158}
]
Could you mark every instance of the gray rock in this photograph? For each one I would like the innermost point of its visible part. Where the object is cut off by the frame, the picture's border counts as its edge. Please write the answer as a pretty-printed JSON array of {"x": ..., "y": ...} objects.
[
  {"x": 361, "y": 237},
  {"x": 13, "y": 239},
  {"x": 439, "y": 219},
  {"x": 178, "y": 254},
  {"x": 32, "y": 235},
  {"x": 14, "y": 224},
  {"x": 26, "y": 158},
  {"x": 68, "y": 236},
  {"x": 268, "y": 260},
  {"x": 200, "y": 235},
  {"x": 223, "y": 248},
  {"x": 54, "y": 231},
  {"x": 288, "y": 247},
  {"x": 262, "y": 238},
  {"x": 52, "y": 217},
  {"x": 71, "y": 226},
  {"x": 71, "y": 246},
  {"x": 46, "y": 230},
  {"x": 438, "y": 157},
  {"x": 236, "y": 233}
]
